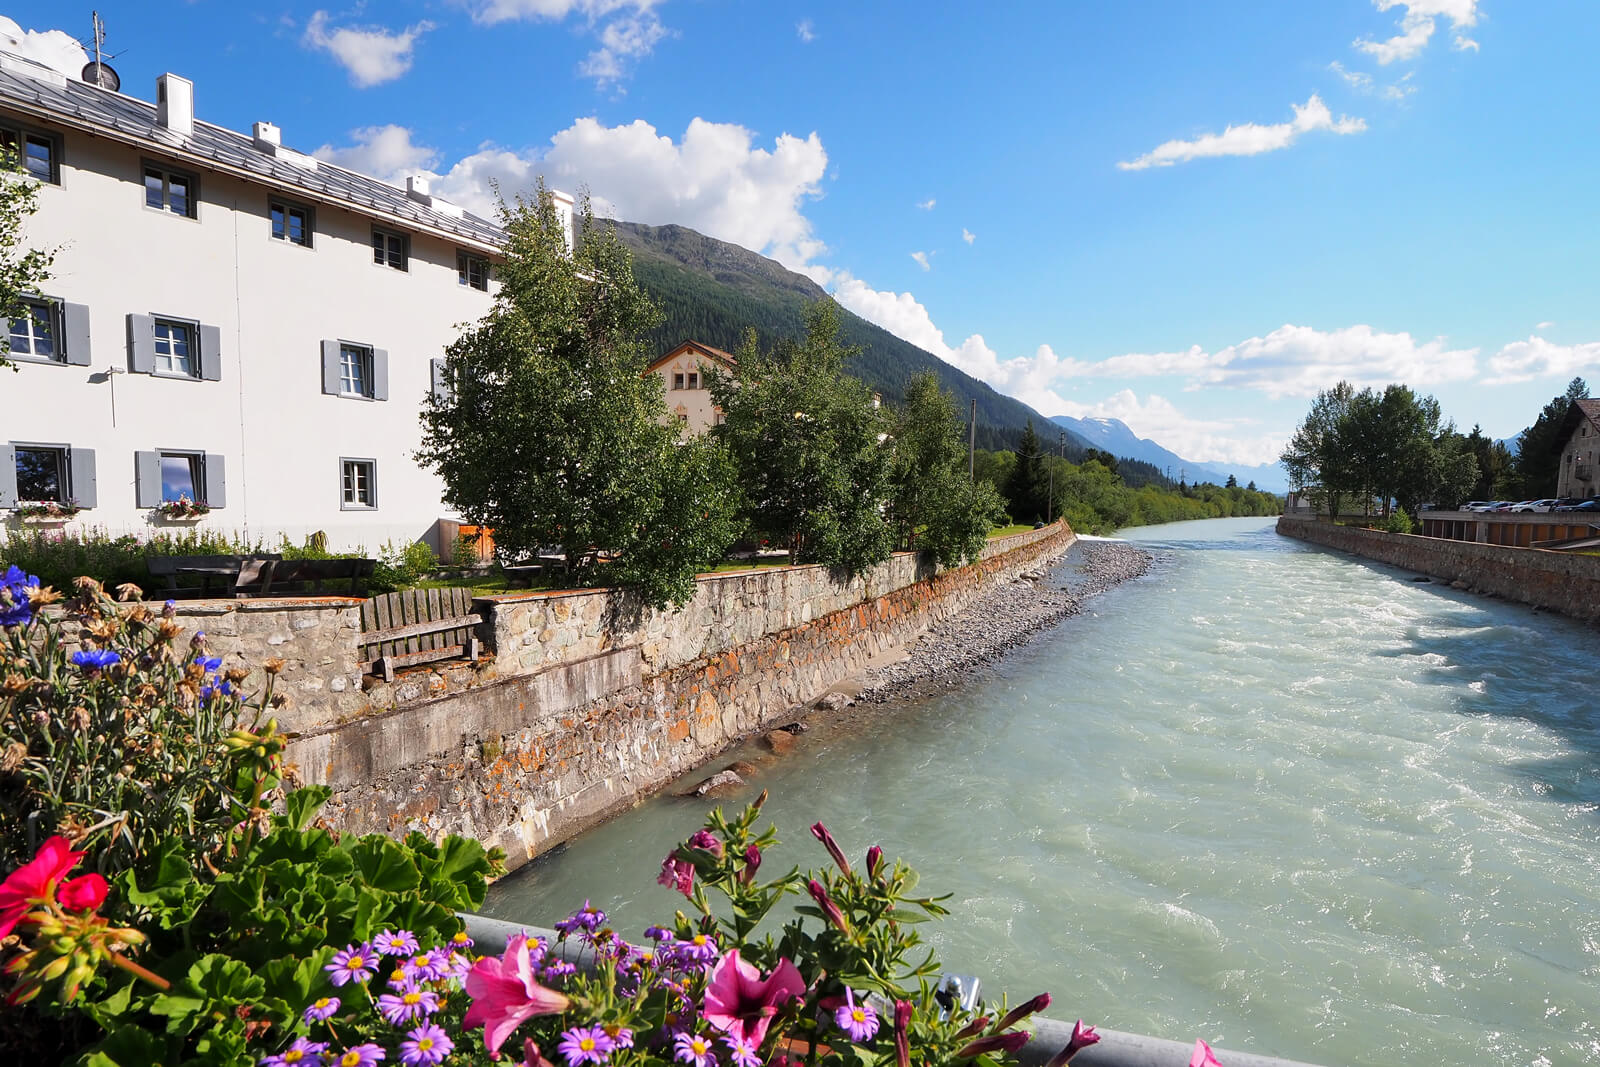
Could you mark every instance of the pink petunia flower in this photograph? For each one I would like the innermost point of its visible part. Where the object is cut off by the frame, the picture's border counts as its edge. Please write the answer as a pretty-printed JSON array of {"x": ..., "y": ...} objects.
[
  {"x": 741, "y": 1003},
  {"x": 1082, "y": 1037},
  {"x": 505, "y": 995},
  {"x": 677, "y": 874},
  {"x": 1203, "y": 1056}
]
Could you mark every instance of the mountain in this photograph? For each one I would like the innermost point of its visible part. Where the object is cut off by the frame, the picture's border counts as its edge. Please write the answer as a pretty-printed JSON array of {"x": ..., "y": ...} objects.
[
  {"x": 1114, "y": 436},
  {"x": 712, "y": 291}
]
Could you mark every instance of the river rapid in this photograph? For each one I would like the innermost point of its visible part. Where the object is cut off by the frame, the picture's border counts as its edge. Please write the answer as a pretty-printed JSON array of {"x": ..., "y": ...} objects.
[{"x": 1268, "y": 795}]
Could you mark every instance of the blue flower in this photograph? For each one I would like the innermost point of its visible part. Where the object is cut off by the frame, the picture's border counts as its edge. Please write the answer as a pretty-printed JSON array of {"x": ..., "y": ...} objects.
[
  {"x": 95, "y": 659},
  {"x": 222, "y": 689},
  {"x": 209, "y": 663},
  {"x": 15, "y": 609}
]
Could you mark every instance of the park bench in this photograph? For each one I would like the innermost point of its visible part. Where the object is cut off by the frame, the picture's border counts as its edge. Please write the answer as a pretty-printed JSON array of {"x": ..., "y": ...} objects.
[
  {"x": 279, "y": 577},
  {"x": 417, "y": 626},
  {"x": 225, "y": 571}
]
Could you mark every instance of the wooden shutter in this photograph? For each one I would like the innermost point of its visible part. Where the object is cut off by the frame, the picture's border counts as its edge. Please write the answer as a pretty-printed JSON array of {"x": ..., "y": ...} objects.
[
  {"x": 147, "y": 479},
  {"x": 75, "y": 325},
  {"x": 216, "y": 481},
  {"x": 211, "y": 353},
  {"x": 330, "y": 367},
  {"x": 142, "y": 345},
  {"x": 8, "y": 476},
  {"x": 80, "y": 463},
  {"x": 380, "y": 374}
]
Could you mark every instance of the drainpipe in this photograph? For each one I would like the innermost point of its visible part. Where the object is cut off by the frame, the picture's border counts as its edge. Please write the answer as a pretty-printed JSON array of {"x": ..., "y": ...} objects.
[{"x": 1116, "y": 1049}]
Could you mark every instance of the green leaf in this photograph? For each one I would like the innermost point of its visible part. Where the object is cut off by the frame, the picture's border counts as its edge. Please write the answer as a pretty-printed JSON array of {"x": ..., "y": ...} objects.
[
  {"x": 303, "y": 805},
  {"x": 129, "y": 1045},
  {"x": 384, "y": 864}
]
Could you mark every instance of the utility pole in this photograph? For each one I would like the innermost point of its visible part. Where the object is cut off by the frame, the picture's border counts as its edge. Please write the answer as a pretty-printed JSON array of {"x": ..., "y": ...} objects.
[{"x": 972, "y": 443}]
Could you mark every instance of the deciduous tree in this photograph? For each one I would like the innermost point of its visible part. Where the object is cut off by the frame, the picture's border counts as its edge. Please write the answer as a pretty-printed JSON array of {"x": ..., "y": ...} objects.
[
  {"x": 23, "y": 270},
  {"x": 933, "y": 504}
]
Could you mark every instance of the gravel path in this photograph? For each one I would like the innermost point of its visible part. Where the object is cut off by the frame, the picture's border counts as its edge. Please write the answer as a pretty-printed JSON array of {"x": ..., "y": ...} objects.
[{"x": 1006, "y": 617}]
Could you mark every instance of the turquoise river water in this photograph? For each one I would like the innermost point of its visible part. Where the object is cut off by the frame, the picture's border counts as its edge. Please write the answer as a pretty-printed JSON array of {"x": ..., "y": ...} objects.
[{"x": 1268, "y": 795}]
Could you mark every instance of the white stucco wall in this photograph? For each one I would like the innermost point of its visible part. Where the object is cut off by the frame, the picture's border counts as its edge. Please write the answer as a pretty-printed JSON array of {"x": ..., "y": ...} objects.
[
  {"x": 274, "y": 302},
  {"x": 692, "y": 407}
]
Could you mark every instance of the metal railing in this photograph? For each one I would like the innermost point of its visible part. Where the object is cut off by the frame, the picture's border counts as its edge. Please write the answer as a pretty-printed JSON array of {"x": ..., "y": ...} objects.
[{"x": 1115, "y": 1049}]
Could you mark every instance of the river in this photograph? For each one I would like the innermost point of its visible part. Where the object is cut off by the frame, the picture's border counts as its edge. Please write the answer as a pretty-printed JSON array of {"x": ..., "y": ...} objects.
[{"x": 1268, "y": 795}]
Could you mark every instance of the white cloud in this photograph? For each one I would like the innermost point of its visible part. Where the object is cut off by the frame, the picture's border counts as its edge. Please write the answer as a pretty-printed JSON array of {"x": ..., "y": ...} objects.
[
  {"x": 628, "y": 29},
  {"x": 716, "y": 179},
  {"x": 622, "y": 40},
  {"x": 1363, "y": 82},
  {"x": 1203, "y": 440},
  {"x": 922, "y": 260},
  {"x": 1251, "y": 138},
  {"x": 1544, "y": 325},
  {"x": 804, "y": 30},
  {"x": 928, "y": 204},
  {"x": 1522, "y": 361},
  {"x": 492, "y": 11},
  {"x": 56, "y": 49},
  {"x": 1417, "y": 26},
  {"x": 967, "y": 235},
  {"x": 1466, "y": 44},
  {"x": 371, "y": 54}
]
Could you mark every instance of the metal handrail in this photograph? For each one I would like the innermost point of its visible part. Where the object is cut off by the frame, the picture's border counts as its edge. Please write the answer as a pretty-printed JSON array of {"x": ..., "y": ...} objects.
[{"x": 1116, "y": 1048}]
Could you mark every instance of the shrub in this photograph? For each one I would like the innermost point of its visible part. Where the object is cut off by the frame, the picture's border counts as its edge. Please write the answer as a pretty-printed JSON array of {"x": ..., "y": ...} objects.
[
  {"x": 399, "y": 567},
  {"x": 1397, "y": 522}
]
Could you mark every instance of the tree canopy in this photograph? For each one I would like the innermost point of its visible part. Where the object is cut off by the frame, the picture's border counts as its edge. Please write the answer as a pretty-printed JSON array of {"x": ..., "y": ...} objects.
[
  {"x": 933, "y": 504},
  {"x": 1538, "y": 461},
  {"x": 23, "y": 270}
]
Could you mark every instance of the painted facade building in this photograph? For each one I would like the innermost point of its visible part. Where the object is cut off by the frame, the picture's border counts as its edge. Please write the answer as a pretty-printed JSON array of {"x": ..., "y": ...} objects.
[
  {"x": 227, "y": 321},
  {"x": 683, "y": 383},
  {"x": 1578, "y": 476}
]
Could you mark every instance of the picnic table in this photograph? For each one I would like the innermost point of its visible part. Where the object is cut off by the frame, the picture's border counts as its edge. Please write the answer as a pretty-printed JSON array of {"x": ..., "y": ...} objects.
[{"x": 265, "y": 574}]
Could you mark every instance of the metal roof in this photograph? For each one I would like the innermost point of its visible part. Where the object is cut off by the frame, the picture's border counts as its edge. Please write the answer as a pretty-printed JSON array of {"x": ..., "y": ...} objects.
[{"x": 75, "y": 104}]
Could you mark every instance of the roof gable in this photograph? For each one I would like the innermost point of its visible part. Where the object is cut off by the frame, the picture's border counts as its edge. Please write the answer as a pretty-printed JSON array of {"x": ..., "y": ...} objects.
[{"x": 716, "y": 355}]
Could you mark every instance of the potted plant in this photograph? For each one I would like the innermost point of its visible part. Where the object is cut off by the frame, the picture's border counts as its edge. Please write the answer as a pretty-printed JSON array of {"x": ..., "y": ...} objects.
[
  {"x": 44, "y": 512},
  {"x": 183, "y": 509}
]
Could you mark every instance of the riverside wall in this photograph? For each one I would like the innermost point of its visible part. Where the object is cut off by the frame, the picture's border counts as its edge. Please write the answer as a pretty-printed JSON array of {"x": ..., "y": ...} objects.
[
  {"x": 1556, "y": 581},
  {"x": 586, "y": 706}
]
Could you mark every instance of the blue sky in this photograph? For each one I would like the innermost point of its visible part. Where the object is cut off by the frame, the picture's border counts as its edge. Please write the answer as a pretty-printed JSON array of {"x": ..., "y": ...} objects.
[{"x": 1188, "y": 216}]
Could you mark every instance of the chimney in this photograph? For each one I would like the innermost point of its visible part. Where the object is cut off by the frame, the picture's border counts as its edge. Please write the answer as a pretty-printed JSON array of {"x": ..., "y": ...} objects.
[
  {"x": 266, "y": 134},
  {"x": 417, "y": 188},
  {"x": 175, "y": 104}
]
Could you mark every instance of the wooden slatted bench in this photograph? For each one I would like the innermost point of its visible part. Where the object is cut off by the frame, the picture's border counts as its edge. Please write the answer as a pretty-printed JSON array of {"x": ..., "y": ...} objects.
[
  {"x": 306, "y": 576},
  {"x": 417, "y": 626}
]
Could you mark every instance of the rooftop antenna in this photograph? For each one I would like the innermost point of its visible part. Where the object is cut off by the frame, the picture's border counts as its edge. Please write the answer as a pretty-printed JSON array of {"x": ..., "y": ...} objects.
[{"x": 99, "y": 72}]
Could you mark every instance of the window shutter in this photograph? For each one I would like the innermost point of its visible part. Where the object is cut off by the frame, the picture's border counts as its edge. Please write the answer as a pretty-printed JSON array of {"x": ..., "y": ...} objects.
[
  {"x": 80, "y": 462},
  {"x": 8, "y": 476},
  {"x": 330, "y": 367},
  {"x": 216, "y": 481},
  {"x": 147, "y": 479},
  {"x": 142, "y": 346},
  {"x": 372, "y": 482},
  {"x": 441, "y": 382},
  {"x": 380, "y": 374},
  {"x": 211, "y": 353},
  {"x": 75, "y": 325}
]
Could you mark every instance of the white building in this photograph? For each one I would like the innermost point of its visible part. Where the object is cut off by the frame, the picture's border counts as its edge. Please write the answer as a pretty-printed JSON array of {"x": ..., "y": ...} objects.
[
  {"x": 227, "y": 320},
  {"x": 684, "y": 383}
]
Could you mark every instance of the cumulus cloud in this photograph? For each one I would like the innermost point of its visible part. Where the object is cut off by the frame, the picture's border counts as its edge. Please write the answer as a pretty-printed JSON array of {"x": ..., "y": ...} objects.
[
  {"x": 622, "y": 40},
  {"x": 1233, "y": 441},
  {"x": 715, "y": 179},
  {"x": 1417, "y": 25},
  {"x": 56, "y": 49},
  {"x": 804, "y": 30},
  {"x": 928, "y": 204},
  {"x": 967, "y": 235},
  {"x": 1251, "y": 138},
  {"x": 628, "y": 30},
  {"x": 1364, "y": 83},
  {"x": 371, "y": 54},
  {"x": 1522, "y": 361}
]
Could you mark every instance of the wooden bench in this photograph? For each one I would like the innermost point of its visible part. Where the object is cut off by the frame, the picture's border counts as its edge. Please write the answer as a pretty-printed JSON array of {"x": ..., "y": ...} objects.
[
  {"x": 277, "y": 577},
  {"x": 417, "y": 626},
  {"x": 225, "y": 570}
]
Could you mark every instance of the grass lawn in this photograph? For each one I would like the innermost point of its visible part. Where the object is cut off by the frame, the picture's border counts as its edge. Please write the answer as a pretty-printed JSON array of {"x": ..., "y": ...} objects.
[{"x": 1006, "y": 531}]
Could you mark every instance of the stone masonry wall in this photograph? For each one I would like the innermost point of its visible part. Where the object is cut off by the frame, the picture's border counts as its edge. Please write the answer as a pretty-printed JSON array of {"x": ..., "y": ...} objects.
[
  {"x": 584, "y": 718},
  {"x": 1558, "y": 581}
]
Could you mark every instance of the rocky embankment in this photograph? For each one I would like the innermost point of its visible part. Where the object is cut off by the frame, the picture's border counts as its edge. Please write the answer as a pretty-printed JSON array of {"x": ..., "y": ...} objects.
[{"x": 1007, "y": 617}]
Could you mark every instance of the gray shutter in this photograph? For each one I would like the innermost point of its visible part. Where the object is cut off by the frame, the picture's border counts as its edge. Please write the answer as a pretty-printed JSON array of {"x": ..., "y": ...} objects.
[
  {"x": 441, "y": 382},
  {"x": 211, "y": 353},
  {"x": 80, "y": 461},
  {"x": 330, "y": 367},
  {"x": 8, "y": 476},
  {"x": 216, "y": 481},
  {"x": 75, "y": 324},
  {"x": 372, "y": 482},
  {"x": 142, "y": 345},
  {"x": 380, "y": 374},
  {"x": 147, "y": 479}
]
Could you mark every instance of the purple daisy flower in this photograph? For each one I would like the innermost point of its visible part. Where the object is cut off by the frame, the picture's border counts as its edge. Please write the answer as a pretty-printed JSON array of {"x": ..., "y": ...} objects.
[
  {"x": 741, "y": 1052},
  {"x": 857, "y": 1020},
  {"x": 396, "y": 943},
  {"x": 407, "y": 1007},
  {"x": 698, "y": 951},
  {"x": 694, "y": 1049},
  {"x": 366, "y": 1055},
  {"x": 460, "y": 941},
  {"x": 321, "y": 1010},
  {"x": 588, "y": 918},
  {"x": 657, "y": 933},
  {"x": 353, "y": 963},
  {"x": 557, "y": 969},
  {"x": 301, "y": 1052},
  {"x": 425, "y": 1046},
  {"x": 623, "y": 1038},
  {"x": 585, "y": 1044}
]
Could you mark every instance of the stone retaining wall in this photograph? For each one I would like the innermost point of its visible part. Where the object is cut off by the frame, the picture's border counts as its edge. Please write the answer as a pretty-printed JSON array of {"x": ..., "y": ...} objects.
[
  {"x": 579, "y": 718},
  {"x": 1558, "y": 581}
]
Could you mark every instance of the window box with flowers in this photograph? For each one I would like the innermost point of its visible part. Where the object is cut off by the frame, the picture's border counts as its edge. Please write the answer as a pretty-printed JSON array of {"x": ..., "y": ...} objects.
[
  {"x": 46, "y": 512},
  {"x": 182, "y": 510}
]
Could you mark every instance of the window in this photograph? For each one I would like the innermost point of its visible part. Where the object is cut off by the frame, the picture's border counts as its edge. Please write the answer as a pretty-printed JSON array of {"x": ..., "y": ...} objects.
[
  {"x": 35, "y": 334},
  {"x": 34, "y": 473},
  {"x": 182, "y": 476},
  {"x": 38, "y": 154},
  {"x": 174, "y": 348},
  {"x": 42, "y": 474},
  {"x": 389, "y": 249},
  {"x": 677, "y": 381},
  {"x": 358, "y": 484},
  {"x": 694, "y": 379},
  {"x": 290, "y": 223},
  {"x": 472, "y": 270},
  {"x": 170, "y": 475},
  {"x": 167, "y": 190},
  {"x": 355, "y": 371}
]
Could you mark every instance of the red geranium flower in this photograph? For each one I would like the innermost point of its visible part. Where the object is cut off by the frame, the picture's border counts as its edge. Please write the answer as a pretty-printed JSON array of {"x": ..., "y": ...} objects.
[
  {"x": 35, "y": 881},
  {"x": 83, "y": 893}
]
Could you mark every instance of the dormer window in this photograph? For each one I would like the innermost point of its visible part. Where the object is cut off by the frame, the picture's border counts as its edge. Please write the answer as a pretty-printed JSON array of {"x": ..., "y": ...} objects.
[
  {"x": 169, "y": 190},
  {"x": 390, "y": 249},
  {"x": 472, "y": 271},
  {"x": 291, "y": 223}
]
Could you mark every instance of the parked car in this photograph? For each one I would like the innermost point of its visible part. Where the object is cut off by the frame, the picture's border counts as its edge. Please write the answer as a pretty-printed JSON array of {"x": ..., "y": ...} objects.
[
  {"x": 1547, "y": 504},
  {"x": 1500, "y": 505},
  {"x": 1477, "y": 505},
  {"x": 1587, "y": 505}
]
